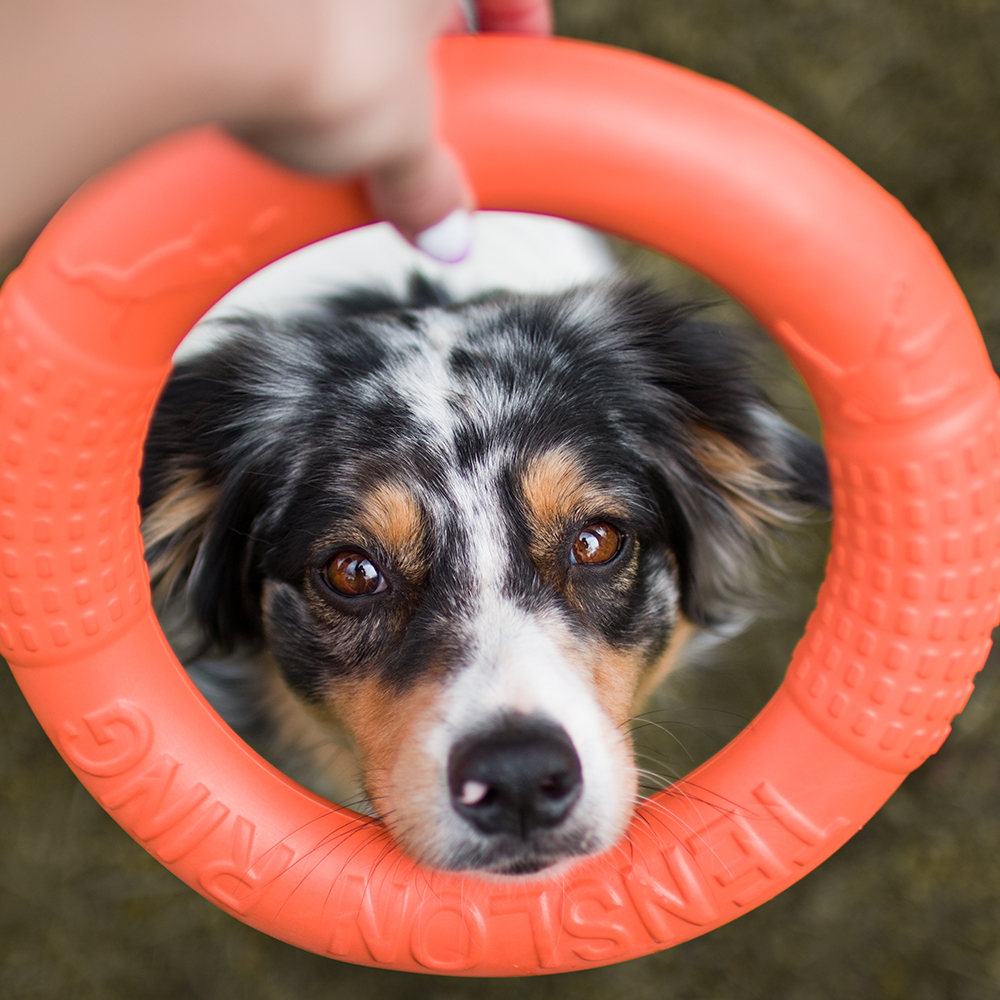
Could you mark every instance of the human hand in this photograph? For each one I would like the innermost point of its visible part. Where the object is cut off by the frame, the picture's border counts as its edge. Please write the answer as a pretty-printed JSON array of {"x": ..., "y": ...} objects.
[
  {"x": 368, "y": 108},
  {"x": 332, "y": 86}
]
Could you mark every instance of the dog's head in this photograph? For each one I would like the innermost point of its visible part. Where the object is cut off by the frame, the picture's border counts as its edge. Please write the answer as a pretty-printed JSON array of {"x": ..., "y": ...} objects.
[{"x": 474, "y": 534}]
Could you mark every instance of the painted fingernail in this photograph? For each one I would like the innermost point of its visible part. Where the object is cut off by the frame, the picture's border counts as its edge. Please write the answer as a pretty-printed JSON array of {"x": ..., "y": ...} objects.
[{"x": 449, "y": 240}]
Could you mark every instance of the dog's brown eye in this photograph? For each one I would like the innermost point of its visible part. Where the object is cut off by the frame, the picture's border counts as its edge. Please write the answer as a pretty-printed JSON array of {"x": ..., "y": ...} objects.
[
  {"x": 353, "y": 574},
  {"x": 596, "y": 543}
]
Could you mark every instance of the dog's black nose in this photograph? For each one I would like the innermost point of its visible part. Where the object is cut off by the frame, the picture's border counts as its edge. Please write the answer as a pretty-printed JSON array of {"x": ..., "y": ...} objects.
[{"x": 515, "y": 778}]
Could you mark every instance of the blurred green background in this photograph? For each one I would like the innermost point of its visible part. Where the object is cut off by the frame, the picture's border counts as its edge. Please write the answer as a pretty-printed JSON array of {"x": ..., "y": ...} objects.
[{"x": 909, "y": 909}]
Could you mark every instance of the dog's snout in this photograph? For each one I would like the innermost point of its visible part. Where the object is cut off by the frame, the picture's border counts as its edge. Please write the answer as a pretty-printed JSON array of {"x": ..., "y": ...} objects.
[{"x": 518, "y": 777}]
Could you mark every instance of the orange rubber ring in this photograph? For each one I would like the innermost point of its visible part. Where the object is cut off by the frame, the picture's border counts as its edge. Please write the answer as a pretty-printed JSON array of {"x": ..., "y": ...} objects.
[{"x": 829, "y": 263}]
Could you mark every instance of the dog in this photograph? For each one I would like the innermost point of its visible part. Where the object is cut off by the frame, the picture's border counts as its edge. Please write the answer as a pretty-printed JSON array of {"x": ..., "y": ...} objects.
[{"x": 430, "y": 553}]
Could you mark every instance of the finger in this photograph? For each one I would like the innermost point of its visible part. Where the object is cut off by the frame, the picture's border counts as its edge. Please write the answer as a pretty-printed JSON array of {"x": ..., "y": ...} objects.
[
  {"x": 369, "y": 111},
  {"x": 411, "y": 180},
  {"x": 526, "y": 17},
  {"x": 416, "y": 186},
  {"x": 427, "y": 198}
]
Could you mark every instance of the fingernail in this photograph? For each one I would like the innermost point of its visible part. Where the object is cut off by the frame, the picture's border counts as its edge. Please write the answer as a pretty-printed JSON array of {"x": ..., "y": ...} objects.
[{"x": 449, "y": 240}]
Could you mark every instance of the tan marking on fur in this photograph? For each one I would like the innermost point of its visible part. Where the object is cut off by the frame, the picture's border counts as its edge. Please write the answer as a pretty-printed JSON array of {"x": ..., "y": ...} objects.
[
  {"x": 669, "y": 658},
  {"x": 557, "y": 494},
  {"x": 616, "y": 675},
  {"x": 624, "y": 678},
  {"x": 401, "y": 779},
  {"x": 391, "y": 515},
  {"x": 181, "y": 514},
  {"x": 749, "y": 491},
  {"x": 321, "y": 749},
  {"x": 362, "y": 740},
  {"x": 556, "y": 488}
]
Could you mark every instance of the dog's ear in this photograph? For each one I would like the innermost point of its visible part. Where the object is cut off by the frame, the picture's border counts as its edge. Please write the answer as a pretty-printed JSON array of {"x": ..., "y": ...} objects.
[
  {"x": 736, "y": 500},
  {"x": 731, "y": 473},
  {"x": 200, "y": 502}
]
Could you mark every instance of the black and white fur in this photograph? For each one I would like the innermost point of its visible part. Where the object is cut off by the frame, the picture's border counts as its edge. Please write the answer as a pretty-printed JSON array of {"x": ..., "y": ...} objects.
[{"x": 463, "y": 450}]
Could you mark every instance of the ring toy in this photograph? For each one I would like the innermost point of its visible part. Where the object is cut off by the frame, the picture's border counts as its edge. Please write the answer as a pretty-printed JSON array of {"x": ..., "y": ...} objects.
[{"x": 843, "y": 278}]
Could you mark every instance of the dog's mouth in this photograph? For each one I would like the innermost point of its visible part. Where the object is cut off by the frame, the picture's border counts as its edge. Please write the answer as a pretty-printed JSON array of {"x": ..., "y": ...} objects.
[
  {"x": 520, "y": 859},
  {"x": 526, "y": 866},
  {"x": 512, "y": 855}
]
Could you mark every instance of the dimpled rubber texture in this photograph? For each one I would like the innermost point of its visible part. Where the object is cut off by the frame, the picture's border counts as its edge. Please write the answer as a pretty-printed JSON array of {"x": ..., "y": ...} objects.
[{"x": 829, "y": 263}]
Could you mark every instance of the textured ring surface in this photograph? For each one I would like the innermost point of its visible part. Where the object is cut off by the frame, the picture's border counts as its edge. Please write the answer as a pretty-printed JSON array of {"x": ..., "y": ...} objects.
[{"x": 827, "y": 261}]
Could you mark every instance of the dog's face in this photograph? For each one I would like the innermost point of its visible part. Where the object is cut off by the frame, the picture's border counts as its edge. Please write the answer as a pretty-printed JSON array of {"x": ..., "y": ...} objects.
[{"x": 474, "y": 535}]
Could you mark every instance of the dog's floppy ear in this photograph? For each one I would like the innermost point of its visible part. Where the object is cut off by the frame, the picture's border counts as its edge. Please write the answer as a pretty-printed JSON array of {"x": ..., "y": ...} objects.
[
  {"x": 731, "y": 473},
  {"x": 200, "y": 500}
]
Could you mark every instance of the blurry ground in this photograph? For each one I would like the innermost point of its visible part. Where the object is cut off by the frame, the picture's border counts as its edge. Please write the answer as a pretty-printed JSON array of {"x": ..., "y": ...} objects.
[{"x": 910, "y": 909}]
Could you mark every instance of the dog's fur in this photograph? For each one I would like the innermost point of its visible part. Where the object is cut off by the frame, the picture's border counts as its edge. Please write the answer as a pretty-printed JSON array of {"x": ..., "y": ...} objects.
[{"x": 473, "y": 453}]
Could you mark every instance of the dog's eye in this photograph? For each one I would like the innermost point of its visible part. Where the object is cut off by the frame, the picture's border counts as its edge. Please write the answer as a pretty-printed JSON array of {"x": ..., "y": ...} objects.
[
  {"x": 353, "y": 574},
  {"x": 596, "y": 543}
]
